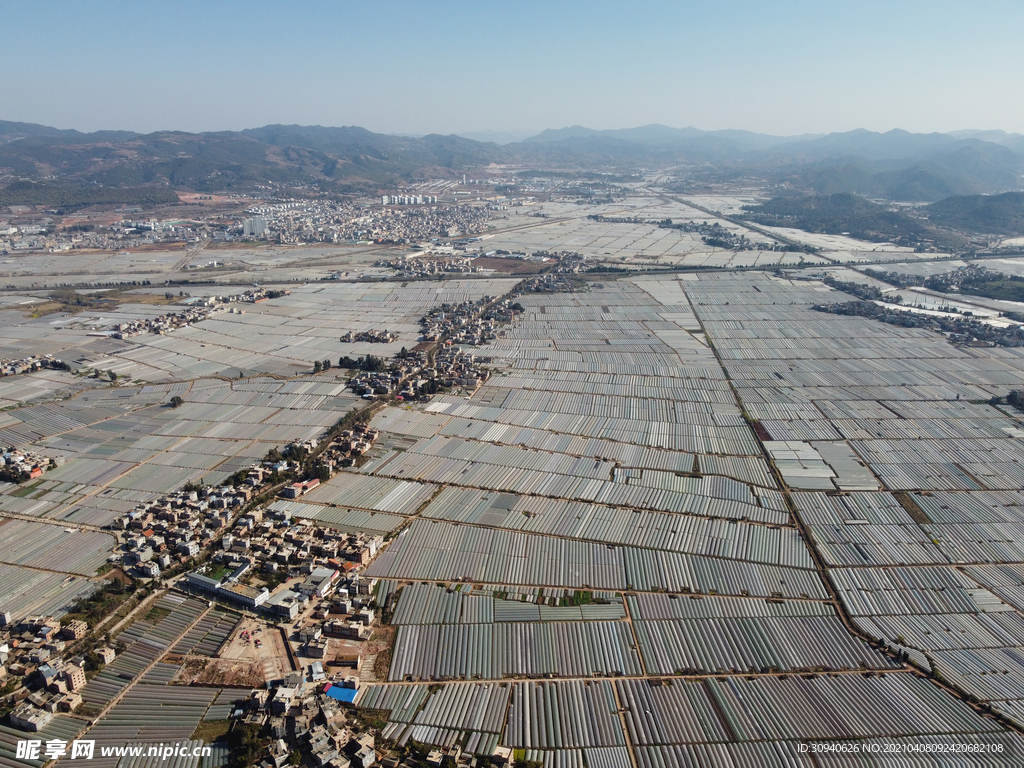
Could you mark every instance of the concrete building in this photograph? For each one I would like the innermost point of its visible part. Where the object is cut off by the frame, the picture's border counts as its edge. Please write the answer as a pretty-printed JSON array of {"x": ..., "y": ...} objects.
[
  {"x": 248, "y": 596},
  {"x": 73, "y": 677},
  {"x": 189, "y": 548},
  {"x": 74, "y": 630},
  {"x": 28, "y": 718},
  {"x": 254, "y": 227},
  {"x": 319, "y": 582}
]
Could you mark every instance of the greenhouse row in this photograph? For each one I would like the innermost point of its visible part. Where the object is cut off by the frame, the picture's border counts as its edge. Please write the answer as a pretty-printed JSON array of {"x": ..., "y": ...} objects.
[
  {"x": 857, "y": 705},
  {"x": 434, "y": 469},
  {"x": 555, "y": 715},
  {"x": 443, "y": 551},
  {"x": 431, "y": 604},
  {"x": 512, "y": 649},
  {"x": 653, "y": 530},
  {"x": 760, "y": 644}
]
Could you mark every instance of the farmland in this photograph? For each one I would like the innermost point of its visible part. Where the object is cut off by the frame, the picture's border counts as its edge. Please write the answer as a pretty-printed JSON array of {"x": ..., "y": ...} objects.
[{"x": 676, "y": 500}]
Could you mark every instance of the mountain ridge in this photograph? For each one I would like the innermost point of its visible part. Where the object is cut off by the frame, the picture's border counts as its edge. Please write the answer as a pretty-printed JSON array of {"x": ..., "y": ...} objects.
[{"x": 896, "y": 164}]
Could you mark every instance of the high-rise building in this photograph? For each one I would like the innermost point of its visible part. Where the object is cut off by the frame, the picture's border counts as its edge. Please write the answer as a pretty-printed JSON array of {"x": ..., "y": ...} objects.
[{"x": 254, "y": 227}]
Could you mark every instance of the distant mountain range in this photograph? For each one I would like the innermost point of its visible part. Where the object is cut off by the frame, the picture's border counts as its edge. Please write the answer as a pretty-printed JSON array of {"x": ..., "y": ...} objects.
[{"x": 896, "y": 165}]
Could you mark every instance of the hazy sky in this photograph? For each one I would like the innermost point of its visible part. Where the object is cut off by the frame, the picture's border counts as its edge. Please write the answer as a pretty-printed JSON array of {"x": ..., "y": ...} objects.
[{"x": 450, "y": 67}]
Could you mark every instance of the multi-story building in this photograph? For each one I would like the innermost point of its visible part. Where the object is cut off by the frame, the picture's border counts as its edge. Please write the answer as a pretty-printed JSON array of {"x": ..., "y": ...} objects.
[{"x": 73, "y": 677}]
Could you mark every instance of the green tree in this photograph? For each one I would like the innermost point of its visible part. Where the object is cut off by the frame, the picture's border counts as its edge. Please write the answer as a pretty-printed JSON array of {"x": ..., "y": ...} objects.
[
  {"x": 176, "y": 401},
  {"x": 13, "y": 474},
  {"x": 111, "y": 375},
  {"x": 245, "y": 745},
  {"x": 316, "y": 367}
]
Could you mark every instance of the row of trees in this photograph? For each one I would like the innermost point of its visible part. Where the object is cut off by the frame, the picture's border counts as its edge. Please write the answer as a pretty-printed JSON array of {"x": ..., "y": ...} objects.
[{"x": 367, "y": 363}]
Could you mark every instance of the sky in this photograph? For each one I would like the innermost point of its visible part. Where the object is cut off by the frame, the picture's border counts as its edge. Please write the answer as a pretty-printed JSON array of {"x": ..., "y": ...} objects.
[{"x": 514, "y": 68}]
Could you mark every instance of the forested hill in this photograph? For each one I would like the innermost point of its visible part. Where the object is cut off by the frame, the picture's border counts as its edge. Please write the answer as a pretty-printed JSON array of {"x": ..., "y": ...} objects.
[
  {"x": 992, "y": 214},
  {"x": 851, "y": 215}
]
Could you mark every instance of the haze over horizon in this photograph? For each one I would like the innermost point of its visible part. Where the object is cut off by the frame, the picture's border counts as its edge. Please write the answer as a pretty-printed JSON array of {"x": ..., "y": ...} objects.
[
  {"x": 790, "y": 69},
  {"x": 510, "y": 137}
]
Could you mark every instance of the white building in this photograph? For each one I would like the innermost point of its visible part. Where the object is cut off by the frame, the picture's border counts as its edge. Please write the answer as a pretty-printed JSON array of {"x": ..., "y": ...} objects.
[
  {"x": 254, "y": 227},
  {"x": 28, "y": 718}
]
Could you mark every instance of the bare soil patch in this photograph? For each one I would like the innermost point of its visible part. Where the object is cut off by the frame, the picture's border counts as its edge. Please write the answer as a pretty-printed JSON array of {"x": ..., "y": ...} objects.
[
  {"x": 202, "y": 671},
  {"x": 512, "y": 266},
  {"x": 271, "y": 657}
]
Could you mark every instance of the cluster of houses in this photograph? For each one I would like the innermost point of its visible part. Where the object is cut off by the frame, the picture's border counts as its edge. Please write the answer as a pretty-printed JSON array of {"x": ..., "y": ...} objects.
[
  {"x": 570, "y": 262},
  {"x": 10, "y": 366},
  {"x": 405, "y": 368},
  {"x": 28, "y": 463},
  {"x": 410, "y": 378},
  {"x": 32, "y": 648},
  {"x": 161, "y": 323},
  {"x": 454, "y": 367},
  {"x": 169, "y": 530},
  {"x": 371, "y": 336},
  {"x": 298, "y": 221},
  {"x": 324, "y": 560},
  {"x": 312, "y": 720},
  {"x": 549, "y": 283},
  {"x": 461, "y": 323},
  {"x": 413, "y": 265},
  {"x": 200, "y": 310},
  {"x": 348, "y": 446},
  {"x": 338, "y": 609}
]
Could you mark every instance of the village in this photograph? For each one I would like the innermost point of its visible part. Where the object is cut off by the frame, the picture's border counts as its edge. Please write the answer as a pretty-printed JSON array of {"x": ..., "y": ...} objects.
[
  {"x": 17, "y": 465},
  {"x": 199, "y": 311},
  {"x": 293, "y": 617}
]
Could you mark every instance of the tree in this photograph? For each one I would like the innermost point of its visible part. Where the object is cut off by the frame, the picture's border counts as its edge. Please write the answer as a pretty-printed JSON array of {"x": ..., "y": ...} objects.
[
  {"x": 245, "y": 745},
  {"x": 326, "y": 365},
  {"x": 11, "y": 473},
  {"x": 111, "y": 375},
  {"x": 316, "y": 367},
  {"x": 372, "y": 364},
  {"x": 176, "y": 401}
]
